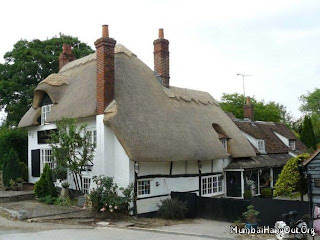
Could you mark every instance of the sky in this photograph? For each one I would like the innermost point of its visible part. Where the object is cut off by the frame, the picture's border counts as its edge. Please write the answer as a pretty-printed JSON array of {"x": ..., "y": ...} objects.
[{"x": 275, "y": 41}]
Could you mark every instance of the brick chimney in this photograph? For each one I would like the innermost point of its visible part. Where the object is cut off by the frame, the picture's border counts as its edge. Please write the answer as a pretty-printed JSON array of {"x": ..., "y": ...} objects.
[
  {"x": 105, "y": 70},
  {"x": 161, "y": 59},
  {"x": 66, "y": 56},
  {"x": 248, "y": 111}
]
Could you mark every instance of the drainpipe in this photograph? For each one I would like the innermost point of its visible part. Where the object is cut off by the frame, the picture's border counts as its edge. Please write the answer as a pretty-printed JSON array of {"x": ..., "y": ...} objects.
[
  {"x": 242, "y": 184},
  {"x": 136, "y": 171},
  {"x": 200, "y": 185},
  {"x": 271, "y": 177}
]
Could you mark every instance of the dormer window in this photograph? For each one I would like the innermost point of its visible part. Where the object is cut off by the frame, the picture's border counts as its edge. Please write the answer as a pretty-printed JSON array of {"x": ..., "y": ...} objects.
[
  {"x": 261, "y": 145},
  {"x": 45, "y": 105},
  {"x": 224, "y": 142},
  {"x": 292, "y": 144},
  {"x": 45, "y": 110}
]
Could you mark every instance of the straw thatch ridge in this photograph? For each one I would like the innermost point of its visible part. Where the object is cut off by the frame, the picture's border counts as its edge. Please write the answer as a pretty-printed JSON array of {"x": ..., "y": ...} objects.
[{"x": 151, "y": 122}]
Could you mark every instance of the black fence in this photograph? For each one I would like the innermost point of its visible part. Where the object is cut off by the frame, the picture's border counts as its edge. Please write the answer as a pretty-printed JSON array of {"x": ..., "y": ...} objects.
[{"x": 229, "y": 210}]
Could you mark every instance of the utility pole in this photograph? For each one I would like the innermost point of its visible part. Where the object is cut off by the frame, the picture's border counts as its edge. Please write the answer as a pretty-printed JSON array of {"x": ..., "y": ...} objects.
[{"x": 244, "y": 91}]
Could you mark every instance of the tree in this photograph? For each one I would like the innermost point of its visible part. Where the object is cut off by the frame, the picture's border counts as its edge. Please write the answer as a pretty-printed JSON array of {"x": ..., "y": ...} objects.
[
  {"x": 307, "y": 134},
  {"x": 27, "y": 64},
  {"x": 45, "y": 186},
  {"x": 11, "y": 167},
  {"x": 311, "y": 107},
  {"x": 72, "y": 149},
  {"x": 291, "y": 179},
  {"x": 269, "y": 112}
]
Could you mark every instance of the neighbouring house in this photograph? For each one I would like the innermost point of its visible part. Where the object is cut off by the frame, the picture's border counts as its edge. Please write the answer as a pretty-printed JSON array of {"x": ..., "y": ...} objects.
[
  {"x": 147, "y": 132},
  {"x": 274, "y": 144},
  {"x": 312, "y": 169}
]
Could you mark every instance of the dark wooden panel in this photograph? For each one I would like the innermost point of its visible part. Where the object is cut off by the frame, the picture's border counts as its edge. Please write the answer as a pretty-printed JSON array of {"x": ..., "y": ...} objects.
[{"x": 35, "y": 163}]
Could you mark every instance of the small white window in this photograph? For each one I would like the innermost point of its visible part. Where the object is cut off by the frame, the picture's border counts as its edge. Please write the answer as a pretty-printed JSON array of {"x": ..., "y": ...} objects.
[
  {"x": 212, "y": 185},
  {"x": 93, "y": 136},
  {"x": 45, "y": 110},
  {"x": 292, "y": 144},
  {"x": 86, "y": 185},
  {"x": 224, "y": 142},
  {"x": 46, "y": 158},
  {"x": 143, "y": 187},
  {"x": 261, "y": 147}
]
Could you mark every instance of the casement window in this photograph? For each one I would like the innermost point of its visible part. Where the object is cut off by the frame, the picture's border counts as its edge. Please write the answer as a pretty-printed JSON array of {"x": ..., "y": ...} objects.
[
  {"x": 261, "y": 145},
  {"x": 143, "y": 187},
  {"x": 46, "y": 158},
  {"x": 224, "y": 142},
  {"x": 292, "y": 144},
  {"x": 212, "y": 185},
  {"x": 45, "y": 110},
  {"x": 86, "y": 181},
  {"x": 93, "y": 136}
]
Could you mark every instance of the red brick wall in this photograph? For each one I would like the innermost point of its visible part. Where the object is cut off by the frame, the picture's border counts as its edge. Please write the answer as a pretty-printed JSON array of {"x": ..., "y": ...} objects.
[{"x": 161, "y": 60}]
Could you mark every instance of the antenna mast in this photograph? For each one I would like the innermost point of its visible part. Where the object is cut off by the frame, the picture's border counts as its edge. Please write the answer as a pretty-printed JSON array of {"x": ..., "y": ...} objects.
[{"x": 244, "y": 91}]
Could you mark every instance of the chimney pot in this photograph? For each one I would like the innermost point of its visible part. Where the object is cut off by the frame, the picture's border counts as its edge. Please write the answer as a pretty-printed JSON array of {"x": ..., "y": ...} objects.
[
  {"x": 161, "y": 34},
  {"x": 248, "y": 101},
  {"x": 66, "y": 56},
  {"x": 105, "y": 31}
]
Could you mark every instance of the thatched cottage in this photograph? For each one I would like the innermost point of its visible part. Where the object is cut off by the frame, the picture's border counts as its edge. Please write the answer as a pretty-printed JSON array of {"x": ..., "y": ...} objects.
[
  {"x": 147, "y": 132},
  {"x": 274, "y": 144}
]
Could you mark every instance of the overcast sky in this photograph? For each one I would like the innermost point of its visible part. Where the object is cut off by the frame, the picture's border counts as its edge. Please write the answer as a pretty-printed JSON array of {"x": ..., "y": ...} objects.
[{"x": 275, "y": 41}]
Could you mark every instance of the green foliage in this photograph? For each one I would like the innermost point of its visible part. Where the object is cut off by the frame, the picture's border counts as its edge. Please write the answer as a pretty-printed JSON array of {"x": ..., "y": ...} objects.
[
  {"x": 11, "y": 168},
  {"x": 269, "y": 112},
  {"x": 266, "y": 193},
  {"x": 45, "y": 186},
  {"x": 247, "y": 194},
  {"x": 291, "y": 178},
  {"x": 66, "y": 202},
  {"x": 307, "y": 134},
  {"x": 172, "y": 209},
  {"x": 72, "y": 149},
  {"x": 13, "y": 138},
  {"x": 251, "y": 215},
  {"x": 105, "y": 197},
  {"x": 24, "y": 171},
  {"x": 28, "y": 63}
]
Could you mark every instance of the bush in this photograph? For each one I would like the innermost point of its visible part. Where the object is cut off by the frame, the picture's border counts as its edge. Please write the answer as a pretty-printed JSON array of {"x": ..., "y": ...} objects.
[
  {"x": 16, "y": 139},
  {"x": 105, "y": 197},
  {"x": 247, "y": 194},
  {"x": 11, "y": 168},
  {"x": 172, "y": 209},
  {"x": 67, "y": 202},
  {"x": 251, "y": 215},
  {"x": 24, "y": 171},
  {"x": 45, "y": 186},
  {"x": 266, "y": 193}
]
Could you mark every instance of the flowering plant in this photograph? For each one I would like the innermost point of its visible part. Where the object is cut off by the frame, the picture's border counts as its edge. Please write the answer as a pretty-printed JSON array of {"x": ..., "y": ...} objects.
[{"x": 108, "y": 197}]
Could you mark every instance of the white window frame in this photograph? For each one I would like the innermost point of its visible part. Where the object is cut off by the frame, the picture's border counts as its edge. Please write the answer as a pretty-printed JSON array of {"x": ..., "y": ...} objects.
[
  {"x": 224, "y": 143},
  {"x": 86, "y": 182},
  {"x": 212, "y": 185},
  {"x": 45, "y": 110},
  {"x": 144, "y": 187},
  {"x": 292, "y": 144},
  {"x": 46, "y": 158},
  {"x": 93, "y": 136},
  {"x": 261, "y": 146}
]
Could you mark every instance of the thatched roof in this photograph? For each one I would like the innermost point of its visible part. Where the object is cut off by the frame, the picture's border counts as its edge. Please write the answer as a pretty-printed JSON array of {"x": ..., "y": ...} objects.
[{"x": 151, "y": 122}]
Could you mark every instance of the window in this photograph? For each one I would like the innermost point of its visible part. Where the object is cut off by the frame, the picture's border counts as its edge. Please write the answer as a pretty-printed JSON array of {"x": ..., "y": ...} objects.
[
  {"x": 46, "y": 158},
  {"x": 143, "y": 187},
  {"x": 212, "y": 185},
  {"x": 261, "y": 147},
  {"x": 45, "y": 110},
  {"x": 224, "y": 143},
  {"x": 93, "y": 137},
  {"x": 44, "y": 136},
  {"x": 86, "y": 185},
  {"x": 292, "y": 144}
]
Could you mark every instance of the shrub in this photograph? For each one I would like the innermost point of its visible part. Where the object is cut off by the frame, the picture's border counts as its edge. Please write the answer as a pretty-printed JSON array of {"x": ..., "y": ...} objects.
[
  {"x": 247, "y": 194},
  {"x": 172, "y": 209},
  {"x": 67, "y": 202},
  {"x": 16, "y": 139},
  {"x": 105, "y": 197},
  {"x": 24, "y": 171},
  {"x": 11, "y": 168},
  {"x": 48, "y": 199},
  {"x": 45, "y": 186},
  {"x": 266, "y": 193},
  {"x": 251, "y": 215}
]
